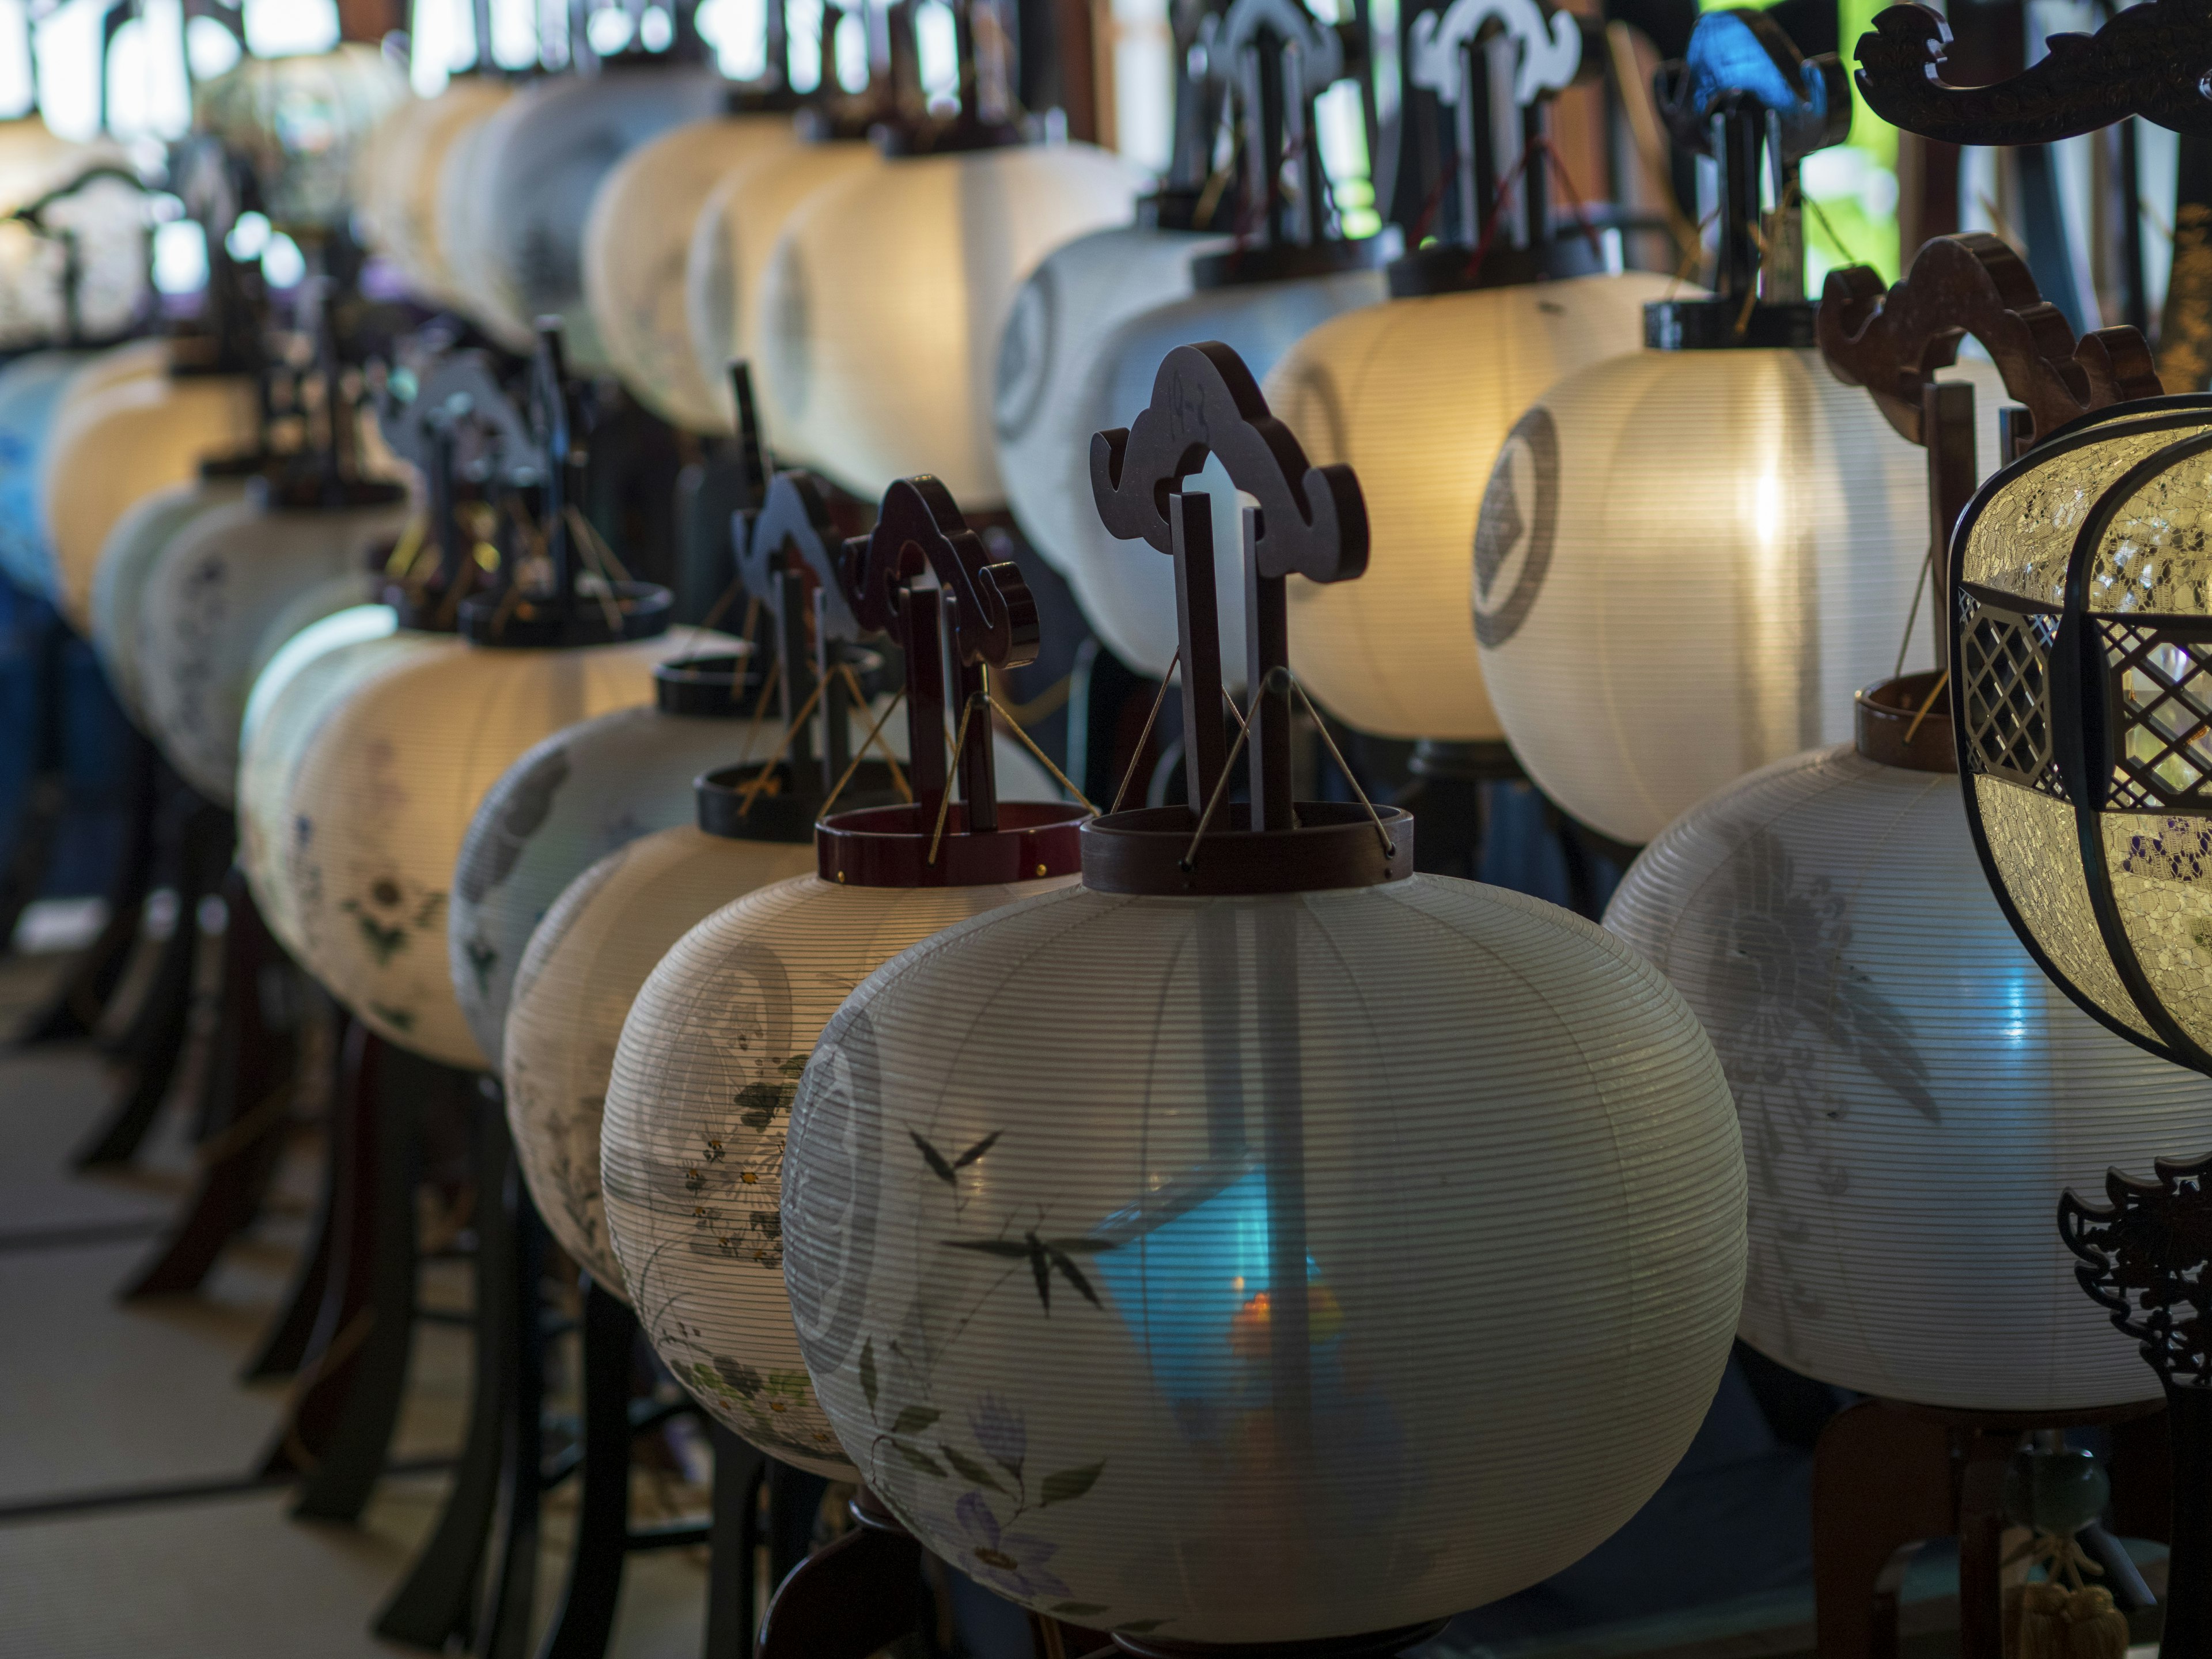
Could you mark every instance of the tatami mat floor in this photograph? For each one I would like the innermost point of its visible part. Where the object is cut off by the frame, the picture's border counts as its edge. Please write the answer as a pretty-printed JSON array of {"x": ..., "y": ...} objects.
[{"x": 130, "y": 1521}]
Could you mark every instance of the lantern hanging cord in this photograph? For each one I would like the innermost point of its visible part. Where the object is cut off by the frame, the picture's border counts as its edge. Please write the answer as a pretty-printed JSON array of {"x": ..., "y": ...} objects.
[
  {"x": 1280, "y": 678},
  {"x": 1043, "y": 759},
  {"x": 1539, "y": 142},
  {"x": 1145, "y": 736},
  {"x": 1920, "y": 585},
  {"x": 860, "y": 701},
  {"x": 599, "y": 556},
  {"x": 862, "y": 754},
  {"x": 944, "y": 799},
  {"x": 760, "y": 779},
  {"x": 1941, "y": 680}
]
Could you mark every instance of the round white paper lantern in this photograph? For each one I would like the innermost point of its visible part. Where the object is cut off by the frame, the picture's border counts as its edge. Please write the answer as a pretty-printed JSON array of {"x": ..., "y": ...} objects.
[
  {"x": 380, "y": 802},
  {"x": 692, "y": 1147},
  {"x": 31, "y": 392},
  {"x": 635, "y": 245},
  {"x": 1913, "y": 1089},
  {"x": 299, "y": 122},
  {"x": 1050, "y": 352},
  {"x": 1418, "y": 394},
  {"x": 1125, "y": 590},
  {"x": 1031, "y": 1250},
  {"x": 732, "y": 240},
  {"x": 106, "y": 225},
  {"x": 127, "y": 557},
  {"x": 124, "y": 441},
  {"x": 586, "y": 961},
  {"x": 1686, "y": 563},
  {"x": 535, "y": 167},
  {"x": 875, "y": 380},
  {"x": 568, "y": 802},
  {"x": 309, "y": 676},
  {"x": 409, "y": 175},
  {"x": 464, "y": 234},
  {"x": 224, "y": 592}
]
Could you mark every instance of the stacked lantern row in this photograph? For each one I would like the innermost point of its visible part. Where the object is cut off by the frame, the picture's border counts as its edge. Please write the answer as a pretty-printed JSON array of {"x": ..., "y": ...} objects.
[{"x": 1030, "y": 1229}]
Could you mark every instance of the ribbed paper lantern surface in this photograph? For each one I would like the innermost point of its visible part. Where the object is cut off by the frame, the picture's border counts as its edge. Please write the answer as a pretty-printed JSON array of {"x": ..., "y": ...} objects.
[
  {"x": 309, "y": 676},
  {"x": 1418, "y": 394},
  {"x": 583, "y": 968},
  {"x": 1049, "y": 353},
  {"x": 31, "y": 392},
  {"x": 1126, "y": 594},
  {"x": 564, "y": 805},
  {"x": 126, "y": 441},
  {"x": 99, "y": 227},
  {"x": 874, "y": 380},
  {"x": 384, "y": 792},
  {"x": 731, "y": 241},
  {"x": 464, "y": 242},
  {"x": 225, "y": 592},
  {"x": 692, "y": 1149},
  {"x": 1686, "y": 563},
  {"x": 1028, "y": 1218},
  {"x": 635, "y": 243},
  {"x": 127, "y": 559},
  {"x": 2091, "y": 790},
  {"x": 408, "y": 183},
  {"x": 299, "y": 123},
  {"x": 539, "y": 161},
  {"x": 1912, "y": 1089}
]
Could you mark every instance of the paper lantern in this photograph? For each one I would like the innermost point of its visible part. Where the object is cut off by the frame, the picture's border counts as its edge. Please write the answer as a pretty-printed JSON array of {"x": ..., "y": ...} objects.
[
  {"x": 1419, "y": 394},
  {"x": 727, "y": 263},
  {"x": 1144, "y": 1238},
  {"x": 31, "y": 390},
  {"x": 127, "y": 558},
  {"x": 872, "y": 380},
  {"x": 464, "y": 240},
  {"x": 98, "y": 223},
  {"x": 1913, "y": 1090},
  {"x": 692, "y": 1142},
  {"x": 1686, "y": 562},
  {"x": 584, "y": 964},
  {"x": 568, "y": 802},
  {"x": 636, "y": 242},
  {"x": 408, "y": 180},
  {"x": 1052, "y": 350},
  {"x": 379, "y": 804},
  {"x": 227, "y": 590},
  {"x": 299, "y": 122},
  {"x": 124, "y": 441},
  {"x": 308, "y": 677},
  {"x": 1125, "y": 595},
  {"x": 533, "y": 170},
  {"x": 2080, "y": 692}
]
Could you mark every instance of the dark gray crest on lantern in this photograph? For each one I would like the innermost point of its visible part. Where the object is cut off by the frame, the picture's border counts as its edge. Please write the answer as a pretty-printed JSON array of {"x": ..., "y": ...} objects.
[{"x": 2154, "y": 60}]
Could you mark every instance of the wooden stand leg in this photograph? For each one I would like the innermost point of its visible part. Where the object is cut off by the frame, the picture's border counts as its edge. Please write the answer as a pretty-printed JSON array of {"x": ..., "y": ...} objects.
[
  {"x": 250, "y": 1080},
  {"x": 504, "y": 1630},
  {"x": 158, "y": 1037},
  {"x": 585, "y": 1621},
  {"x": 437, "y": 1600},
  {"x": 285, "y": 1345},
  {"x": 76, "y": 1009},
  {"x": 1881, "y": 1485},
  {"x": 850, "y": 1598},
  {"x": 732, "y": 1615}
]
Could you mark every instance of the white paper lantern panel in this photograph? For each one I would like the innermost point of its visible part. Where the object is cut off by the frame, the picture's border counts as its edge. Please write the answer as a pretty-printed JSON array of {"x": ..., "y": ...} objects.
[
  {"x": 224, "y": 592},
  {"x": 1914, "y": 1093},
  {"x": 1032, "y": 1252},
  {"x": 635, "y": 245},
  {"x": 1686, "y": 562},
  {"x": 1418, "y": 394},
  {"x": 691, "y": 1151},
  {"x": 127, "y": 557},
  {"x": 874, "y": 380},
  {"x": 581, "y": 970}
]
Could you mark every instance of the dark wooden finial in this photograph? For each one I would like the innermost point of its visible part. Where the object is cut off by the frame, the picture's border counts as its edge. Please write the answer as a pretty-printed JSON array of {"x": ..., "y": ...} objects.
[
  {"x": 1311, "y": 521},
  {"x": 993, "y": 623},
  {"x": 793, "y": 533},
  {"x": 1891, "y": 340},
  {"x": 1739, "y": 59},
  {"x": 2154, "y": 60}
]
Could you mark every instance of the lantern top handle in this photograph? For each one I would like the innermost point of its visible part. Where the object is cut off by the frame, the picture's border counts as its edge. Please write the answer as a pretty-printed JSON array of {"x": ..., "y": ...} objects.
[
  {"x": 1891, "y": 340},
  {"x": 919, "y": 527},
  {"x": 1741, "y": 61},
  {"x": 1312, "y": 520},
  {"x": 2154, "y": 60}
]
